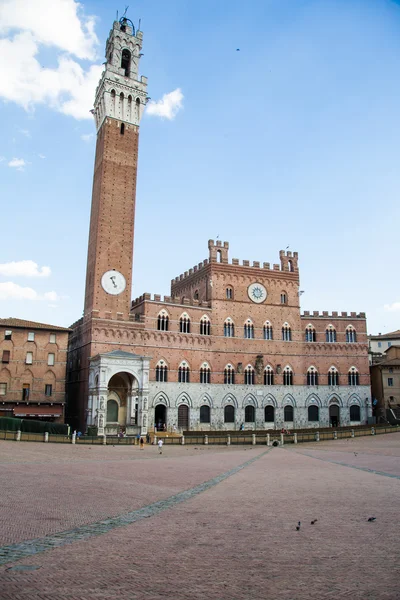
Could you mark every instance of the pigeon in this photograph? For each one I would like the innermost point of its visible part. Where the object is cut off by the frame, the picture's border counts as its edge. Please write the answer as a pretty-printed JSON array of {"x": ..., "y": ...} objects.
[
  {"x": 237, "y": 49},
  {"x": 372, "y": 519},
  {"x": 298, "y": 526},
  {"x": 314, "y": 521}
]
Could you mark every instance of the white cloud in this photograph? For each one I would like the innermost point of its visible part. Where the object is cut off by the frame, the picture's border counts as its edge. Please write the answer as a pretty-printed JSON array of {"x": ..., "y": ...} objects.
[
  {"x": 41, "y": 156},
  {"x": 17, "y": 163},
  {"x": 51, "y": 296},
  {"x": 394, "y": 307},
  {"x": 25, "y": 132},
  {"x": 67, "y": 88},
  {"x": 10, "y": 290},
  {"x": 24, "y": 268},
  {"x": 168, "y": 106},
  {"x": 87, "y": 137},
  {"x": 59, "y": 23}
]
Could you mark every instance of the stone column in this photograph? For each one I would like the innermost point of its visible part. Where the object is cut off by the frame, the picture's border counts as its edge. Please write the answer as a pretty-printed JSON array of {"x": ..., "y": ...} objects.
[
  {"x": 205, "y": 440},
  {"x": 282, "y": 440},
  {"x": 317, "y": 436},
  {"x": 295, "y": 438},
  {"x": 46, "y": 436},
  {"x": 102, "y": 411}
]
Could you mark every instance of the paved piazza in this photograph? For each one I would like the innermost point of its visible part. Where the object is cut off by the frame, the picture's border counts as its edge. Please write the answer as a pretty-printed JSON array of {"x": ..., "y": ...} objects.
[{"x": 91, "y": 522}]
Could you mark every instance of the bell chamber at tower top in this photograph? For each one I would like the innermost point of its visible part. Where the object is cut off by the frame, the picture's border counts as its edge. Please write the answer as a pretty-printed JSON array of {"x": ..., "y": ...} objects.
[{"x": 121, "y": 94}]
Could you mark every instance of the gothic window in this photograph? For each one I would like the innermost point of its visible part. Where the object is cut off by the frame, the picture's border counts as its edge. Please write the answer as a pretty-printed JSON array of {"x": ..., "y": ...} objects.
[
  {"x": 313, "y": 413},
  {"x": 330, "y": 334},
  {"x": 333, "y": 376},
  {"x": 269, "y": 414},
  {"x": 249, "y": 330},
  {"x": 287, "y": 376},
  {"x": 126, "y": 62},
  {"x": 268, "y": 376},
  {"x": 205, "y": 326},
  {"x": 310, "y": 333},
  {"x": 162, "y": 321},
  {"x": 183, "y": 373},
  {"x": 161, "y": 371},
  {"x": 249, "y": 375},
  {"x": 229, "y": 414},
  {"x": 288, "y": 413},
  {"x": 229, "y": 293},
  {"x": 312, "y": 376},
  {"x": 122, "y": 129},
  {"x": 196, "y": 295},
  {"x": 205, "y": 373},
  {"x": 355, "y": 413},
  {"x": 112, "y": 411},
  {"x": 205, "y": 414},
  {"x": 267, "y": 331},
  {"x": 286, "y": 333},
  {"x": 229, "y": 374},
  {"x": 229, "y": 328},
  {"x": 351, "y": 336},
  {"x": 283, "y": 298},
  {"x": 184, "y": 324},
  {"x": 249, "y": 414},
  {"x": 353, "y": 376}
]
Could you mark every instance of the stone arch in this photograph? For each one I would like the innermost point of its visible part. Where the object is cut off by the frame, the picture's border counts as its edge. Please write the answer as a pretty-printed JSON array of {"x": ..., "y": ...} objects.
[
  {"x": 161, "y": 398},
  {"x": 184, "y": 398},
  {"x": 230, "y": 399},
  {"x": 354, "y": 399},
  {"x": 313, "y": 399},
  {"x": 206, "y": 399},
  {"x": 289, "y": 399},
  {"x": 250, "y": 400},
  {"x": 269, "y": 399},
  {"x": 335, "y": 399}
]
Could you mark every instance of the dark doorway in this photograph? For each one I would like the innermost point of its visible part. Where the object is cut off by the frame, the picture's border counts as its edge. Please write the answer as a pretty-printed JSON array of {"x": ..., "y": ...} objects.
[
  {"x": 334, "y": 415},
  {"x": 160, "y": 417},
  {"x": 183, "y": 416}
]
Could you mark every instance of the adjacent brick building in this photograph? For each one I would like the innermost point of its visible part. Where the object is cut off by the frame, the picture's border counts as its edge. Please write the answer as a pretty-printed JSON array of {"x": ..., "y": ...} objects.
[
  {"x": 228, "y": 347},
  {"x": 33, "y": 358}
]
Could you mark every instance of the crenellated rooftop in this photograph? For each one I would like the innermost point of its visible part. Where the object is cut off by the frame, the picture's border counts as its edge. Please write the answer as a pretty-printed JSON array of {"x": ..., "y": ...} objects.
[
  {"x": 316, "y": 314},
  {"x": 171, "y": 300}
]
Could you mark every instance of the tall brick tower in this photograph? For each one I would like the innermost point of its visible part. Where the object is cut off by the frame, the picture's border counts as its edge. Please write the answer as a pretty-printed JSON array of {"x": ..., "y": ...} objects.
[{"x": 118, "y": 107}]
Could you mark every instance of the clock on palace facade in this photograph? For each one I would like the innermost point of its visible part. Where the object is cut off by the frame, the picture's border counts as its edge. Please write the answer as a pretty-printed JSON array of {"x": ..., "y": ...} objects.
[
  {"x": 113, "y": 282},
  {"x": 257, "y": 292}
]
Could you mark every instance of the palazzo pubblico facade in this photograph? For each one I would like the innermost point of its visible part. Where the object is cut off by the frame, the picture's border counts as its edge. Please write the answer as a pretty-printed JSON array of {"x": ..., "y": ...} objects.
[{"x": 228, "y": 348}]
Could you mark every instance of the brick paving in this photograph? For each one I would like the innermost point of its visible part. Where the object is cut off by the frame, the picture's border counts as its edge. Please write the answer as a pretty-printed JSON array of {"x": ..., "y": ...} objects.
[{"x": 235, "y": 539}]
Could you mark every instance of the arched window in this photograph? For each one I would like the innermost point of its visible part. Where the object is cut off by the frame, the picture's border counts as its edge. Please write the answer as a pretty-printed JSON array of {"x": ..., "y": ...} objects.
[
  {"x": 162, "y": 321},
  {"x": 205, "y": 326},
  {"x": 229, "y": 328},
  {"x": 196, "y": 295},
  {"x": 312, "y": 376},
  {"x": 112, "y": 411},
  {"x": 205, "y": 373},
  {"x": 284, "y": 298},
  {"x": 268, "y": 376},
  {"x": 313, "y": 413},
  {"x": 229, "y": 414},
  {"x": 126, "y": 62},
  {"x": 355, "y": 413},
  {"x": 288, "y": 413},
  {"x": 333, "y": 376},
  {"x": 269, "y": 414},
  {"x": 353, "y": 376},
  {"x": 290, "y": 266},
  {"x": 267, "y": 329},
  {"x": 122, "y": 129},
  {"x": 330, "y": 334},
  {"x": 351, "y": 336},
  {"x": 229, "y": 374},
  {"x": 183, "y": 373},
  {"x": 205, "y": 414},
  {"x": 137, "y": 104},
  {"x": 249, "y": 414},
  {"x": 310, "y": 333},
  {"x": 249, "y": 330},
  {"x": 184, "y": 323},
  {"x": 161, "y": 371},
  {"x": 286, "y": 333},
  {"x": 287, "y": 376},
  {"x": 229, "y": 293},
  {"x": 249, "y": 375}
]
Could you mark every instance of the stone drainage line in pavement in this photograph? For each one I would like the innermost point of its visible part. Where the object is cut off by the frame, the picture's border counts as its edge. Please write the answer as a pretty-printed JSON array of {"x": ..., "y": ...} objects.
[
  {"x": 14, "y": 552},
  {"x": 336, "y": 462}
]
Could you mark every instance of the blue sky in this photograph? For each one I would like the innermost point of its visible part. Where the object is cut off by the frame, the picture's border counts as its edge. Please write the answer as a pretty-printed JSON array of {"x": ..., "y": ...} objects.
[{"x": 293, "y": 140}]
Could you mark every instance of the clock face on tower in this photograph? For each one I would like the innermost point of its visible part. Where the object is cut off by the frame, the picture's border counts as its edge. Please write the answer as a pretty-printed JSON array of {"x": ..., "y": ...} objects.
[
  {"x": 113, "y": 282},
  {"x": 257, "y": 292}
]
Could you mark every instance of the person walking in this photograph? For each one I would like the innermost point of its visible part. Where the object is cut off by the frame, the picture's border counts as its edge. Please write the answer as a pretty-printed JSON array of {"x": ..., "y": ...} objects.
[
  {"x": 160, "y": 445},
  {"x": 141, "y": 443},
  {"x": 147, "y": 438}
]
